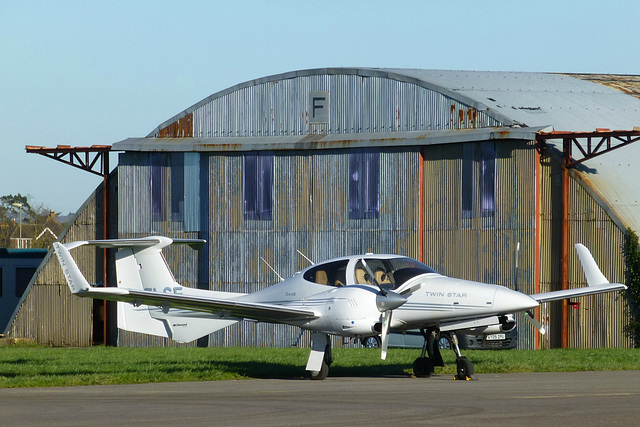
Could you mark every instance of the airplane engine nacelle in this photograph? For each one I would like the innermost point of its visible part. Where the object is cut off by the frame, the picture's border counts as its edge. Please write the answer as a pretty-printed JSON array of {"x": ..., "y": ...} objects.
[
  {"x": 507, "y": 323},
  {"x": 347, "y": 311}
]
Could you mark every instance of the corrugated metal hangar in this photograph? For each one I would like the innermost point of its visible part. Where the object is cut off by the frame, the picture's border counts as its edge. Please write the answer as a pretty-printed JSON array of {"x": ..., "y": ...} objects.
[{"x": 453, "y": 168}]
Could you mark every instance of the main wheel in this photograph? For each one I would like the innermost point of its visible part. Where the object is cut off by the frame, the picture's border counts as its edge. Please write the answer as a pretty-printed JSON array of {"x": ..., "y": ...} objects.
[
  {"x": 422, "y": 367},
  {"x": 319, "y": 375},
  {"x": 465, "y": 368}
]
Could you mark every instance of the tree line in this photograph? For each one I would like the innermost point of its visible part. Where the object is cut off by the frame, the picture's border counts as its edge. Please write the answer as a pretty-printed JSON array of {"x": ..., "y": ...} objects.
[{"x": 34, "y": 220}]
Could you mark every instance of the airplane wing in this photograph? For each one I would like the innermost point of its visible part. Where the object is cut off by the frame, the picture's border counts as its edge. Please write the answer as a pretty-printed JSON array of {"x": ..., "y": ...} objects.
[
  {"x": 579, "y": 292},
  {"x": 222, "y": 308},
  {"x": 596, "y": 281},
  {"x": 219, "y": 306}
]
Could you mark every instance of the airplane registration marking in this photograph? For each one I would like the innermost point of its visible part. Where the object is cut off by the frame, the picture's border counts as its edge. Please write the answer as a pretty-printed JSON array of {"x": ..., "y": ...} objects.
[{"x": 167, "y": 290}]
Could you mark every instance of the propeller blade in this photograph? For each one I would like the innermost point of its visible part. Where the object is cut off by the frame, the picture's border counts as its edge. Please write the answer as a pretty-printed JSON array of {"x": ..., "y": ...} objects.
[
  {"x": 408, "y": 291},
  {"x": 373, "y": 277},
  {"x": 386, "y": 321},
  {"x": 532, "y": 319}
]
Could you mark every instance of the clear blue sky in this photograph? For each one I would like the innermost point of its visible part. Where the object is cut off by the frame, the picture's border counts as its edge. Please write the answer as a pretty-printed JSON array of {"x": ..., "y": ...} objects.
[{"x": 81, "y": 73}]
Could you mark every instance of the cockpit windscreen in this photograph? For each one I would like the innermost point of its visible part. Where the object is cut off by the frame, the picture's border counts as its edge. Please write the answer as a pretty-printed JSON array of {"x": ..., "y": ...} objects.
[{"x": 390, "y": 273}]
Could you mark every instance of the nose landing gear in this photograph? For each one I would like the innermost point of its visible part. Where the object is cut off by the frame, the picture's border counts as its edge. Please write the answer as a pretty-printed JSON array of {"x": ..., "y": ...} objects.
[{"x": 464, "y": 365}]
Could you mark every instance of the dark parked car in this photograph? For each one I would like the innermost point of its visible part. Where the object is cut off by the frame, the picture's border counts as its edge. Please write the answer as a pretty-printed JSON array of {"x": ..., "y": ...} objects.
[{"x": 414, "y": 339}]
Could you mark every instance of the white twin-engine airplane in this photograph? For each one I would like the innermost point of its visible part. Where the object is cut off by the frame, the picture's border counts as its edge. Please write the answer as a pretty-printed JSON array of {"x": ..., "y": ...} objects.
[{"x": 354, "y": 296}]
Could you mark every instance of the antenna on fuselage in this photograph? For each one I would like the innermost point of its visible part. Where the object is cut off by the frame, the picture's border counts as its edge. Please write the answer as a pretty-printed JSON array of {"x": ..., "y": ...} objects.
[
  {"x": 305, "y": 257},
  {"x": 272, "y": 269}
]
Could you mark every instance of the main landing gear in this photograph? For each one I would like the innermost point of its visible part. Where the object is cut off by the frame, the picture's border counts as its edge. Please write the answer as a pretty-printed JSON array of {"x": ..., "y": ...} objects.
[
  {"x": 424, "y": 366},
  {"x": 320, "y": 358}
]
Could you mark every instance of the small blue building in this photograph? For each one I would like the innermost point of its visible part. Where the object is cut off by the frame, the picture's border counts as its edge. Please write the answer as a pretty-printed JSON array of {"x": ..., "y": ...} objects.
[{"x": 17, "y": 268}]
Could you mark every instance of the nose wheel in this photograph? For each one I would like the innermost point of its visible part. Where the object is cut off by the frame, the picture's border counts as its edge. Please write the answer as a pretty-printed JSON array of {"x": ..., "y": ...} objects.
[
  {"x": 464, "y": 365},
  {"x": 465, "y": 369}
]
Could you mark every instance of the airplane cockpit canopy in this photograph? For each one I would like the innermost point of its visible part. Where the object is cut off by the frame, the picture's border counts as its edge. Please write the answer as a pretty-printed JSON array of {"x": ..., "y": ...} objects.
[
  {"x": 390, "y": 273},
  {"x": 330, "y": 273}
]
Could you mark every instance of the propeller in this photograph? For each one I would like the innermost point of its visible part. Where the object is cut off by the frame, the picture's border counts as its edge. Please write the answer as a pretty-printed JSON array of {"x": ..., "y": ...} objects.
[
  {"x": 532, "y": 319},
  {"x": 386, "y": 302}
]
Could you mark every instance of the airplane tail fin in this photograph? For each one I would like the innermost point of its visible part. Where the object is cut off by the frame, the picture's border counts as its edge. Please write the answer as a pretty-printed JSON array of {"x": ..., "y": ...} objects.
[
  {"x": 76, "y": 281},
  {"x": 141, "y": 266},
  {"x": 591, "y": 270}
]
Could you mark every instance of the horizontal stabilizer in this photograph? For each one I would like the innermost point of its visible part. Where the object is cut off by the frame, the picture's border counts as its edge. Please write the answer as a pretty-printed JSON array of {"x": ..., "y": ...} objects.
[
  {"x": 180, "y": 328},
  {"x": 143, "y": 242}
]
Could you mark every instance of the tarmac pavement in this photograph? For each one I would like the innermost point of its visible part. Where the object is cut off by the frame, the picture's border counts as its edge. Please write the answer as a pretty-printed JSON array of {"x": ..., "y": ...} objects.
[{"x": 532, "y": 399}]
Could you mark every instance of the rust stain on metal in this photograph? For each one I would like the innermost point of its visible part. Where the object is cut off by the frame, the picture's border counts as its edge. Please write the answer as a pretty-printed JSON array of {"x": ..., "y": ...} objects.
[
  {"x": 182, "y": 128},
  {"x": 472, "y": 117},
  {"x": 452, "y": 115},
  {"x": 625, "y": 83},
  {"x": 502, "y": 134}
]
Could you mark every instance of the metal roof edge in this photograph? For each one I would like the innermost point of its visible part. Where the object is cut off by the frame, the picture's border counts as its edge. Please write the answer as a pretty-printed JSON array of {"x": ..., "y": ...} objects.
[
  {"x": 391, "y": 73},
  {"x": 325, "y": 142}
]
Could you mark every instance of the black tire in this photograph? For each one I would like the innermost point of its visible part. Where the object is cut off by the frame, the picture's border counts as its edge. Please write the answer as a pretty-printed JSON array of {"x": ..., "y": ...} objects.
[
  {"x": 319, "y": 375},
  {"x": 444, "y": 343},
  {"x": 371, "y": 342},
  {"x": 422, "y": 367},
  {"x": 465, "y": 368}
]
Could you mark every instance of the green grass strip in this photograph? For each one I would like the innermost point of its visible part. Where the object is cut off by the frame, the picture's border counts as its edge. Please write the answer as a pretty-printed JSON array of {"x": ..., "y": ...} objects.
[{"x": 47, "y": 367}]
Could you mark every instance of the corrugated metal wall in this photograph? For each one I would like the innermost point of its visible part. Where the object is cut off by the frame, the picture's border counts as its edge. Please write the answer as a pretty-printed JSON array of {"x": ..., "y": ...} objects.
[
  {"x": 599, "y": 320},
  {"x": 310, "y": 215},
  {"x": 476, "y": 247},
  {"x": 135, "y": 219},
  {"x": 358, "y": 104},
  {"x": 50, "y": 314}
]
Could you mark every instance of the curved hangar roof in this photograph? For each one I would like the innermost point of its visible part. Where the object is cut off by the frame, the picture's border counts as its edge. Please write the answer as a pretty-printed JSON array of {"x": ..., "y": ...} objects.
[{"x": 497, "y": 99}]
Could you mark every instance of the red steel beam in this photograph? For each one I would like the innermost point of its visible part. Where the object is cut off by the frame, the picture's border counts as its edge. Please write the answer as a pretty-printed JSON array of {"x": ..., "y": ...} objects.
[
  {"x": 72, "y": 156},
  {"x": 564, "y": 257}
]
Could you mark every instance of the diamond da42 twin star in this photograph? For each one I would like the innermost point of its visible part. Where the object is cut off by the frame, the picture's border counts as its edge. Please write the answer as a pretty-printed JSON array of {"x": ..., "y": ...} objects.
[{"x": 353, "y": 296}]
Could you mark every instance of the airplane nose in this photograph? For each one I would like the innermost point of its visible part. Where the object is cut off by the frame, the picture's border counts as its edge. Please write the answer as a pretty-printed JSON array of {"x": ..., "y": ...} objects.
[{"x": 509, "y": 301}]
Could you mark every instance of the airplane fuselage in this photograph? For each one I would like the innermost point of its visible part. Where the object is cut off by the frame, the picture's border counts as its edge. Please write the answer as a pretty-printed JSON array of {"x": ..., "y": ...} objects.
[{"x": 349, "y": 309}]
